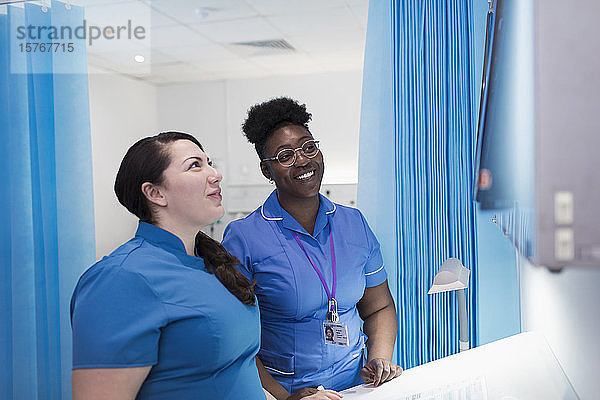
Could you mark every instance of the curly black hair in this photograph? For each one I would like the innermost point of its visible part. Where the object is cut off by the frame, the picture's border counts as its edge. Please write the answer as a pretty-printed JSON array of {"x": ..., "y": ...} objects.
[{"x": 265, "y": 118}]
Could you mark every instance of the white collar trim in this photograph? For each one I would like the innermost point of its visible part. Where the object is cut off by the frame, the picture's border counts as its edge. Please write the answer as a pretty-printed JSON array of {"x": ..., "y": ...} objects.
[
  {"x": 269, "y": 218},
  {"x": 332, "y": 211},
  {"x": 262, "y": 212}
]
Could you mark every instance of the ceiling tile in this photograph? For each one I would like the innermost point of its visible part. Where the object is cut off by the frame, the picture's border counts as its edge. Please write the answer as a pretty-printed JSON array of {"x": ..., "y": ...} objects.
[
  {"x": 339, "y": 60},
  {"x": 123, "y": 61},
  {"x": 290, "y": 63},
  {"x": 200, "y": 11},
  {"x": 95, "y": 3},
  {"x": 339, "y": 40},
  {"x": 290, "y": 7},
  {"x": 325, "y": 22},
  {"x": 279, "y": 60},
  {"x": 129, "y": 25},
  {"x": 119, "y": 14},
  {"x": 160, "y": 20},
  {"x": 243, "y": 30},
  {"x": 190, "y": 40},
  {"x": 239, "y": 69},
  {"x": 187, "y": 71},
  {"x": 102, "y": 46},
  {"x": 248, "y": 74},
  {"x": 200, "y": 52},
  {"x": 97, "y": 62},
  {"x": 222, "y": 66},
  {"x": 361, "y": 12},
  {"x": 176, "y": 36},
  {"x": 96, "y": 70},
  {"x": 162, "y": 57},
  {"x": 357, "y": 3}
]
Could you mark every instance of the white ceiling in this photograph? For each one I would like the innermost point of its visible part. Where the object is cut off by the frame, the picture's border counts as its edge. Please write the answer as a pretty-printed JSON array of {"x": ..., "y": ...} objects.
[{"x": 192, "y": 40}]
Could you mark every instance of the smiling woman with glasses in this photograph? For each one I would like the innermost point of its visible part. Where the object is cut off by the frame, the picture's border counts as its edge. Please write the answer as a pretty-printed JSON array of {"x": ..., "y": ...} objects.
[
  {"x": 317, "y": 266},
  {"x": 287, "y": 157}
]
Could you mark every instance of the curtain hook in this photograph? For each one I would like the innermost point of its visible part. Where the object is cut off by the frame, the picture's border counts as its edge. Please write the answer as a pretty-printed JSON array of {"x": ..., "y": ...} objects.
[
  {"x": 45, "y": 6},
  {"x": 68, "y": 5}
]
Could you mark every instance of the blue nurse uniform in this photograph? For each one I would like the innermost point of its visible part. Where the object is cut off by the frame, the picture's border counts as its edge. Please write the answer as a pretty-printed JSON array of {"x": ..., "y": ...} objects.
[
  {"x": 292, "y": 299},
  {"x": 149, "y": 303}
]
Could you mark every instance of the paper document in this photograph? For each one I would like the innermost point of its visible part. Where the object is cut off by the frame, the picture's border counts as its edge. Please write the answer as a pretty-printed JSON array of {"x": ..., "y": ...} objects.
[{"x": 472, "y": 389}]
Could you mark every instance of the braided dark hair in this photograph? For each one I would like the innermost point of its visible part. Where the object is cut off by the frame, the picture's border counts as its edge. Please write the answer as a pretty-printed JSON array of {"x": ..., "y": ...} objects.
[
  {"x": 146, "y": 161},
  {"x": 265, "y": 118},
  {"x": 220, "y": 262}
]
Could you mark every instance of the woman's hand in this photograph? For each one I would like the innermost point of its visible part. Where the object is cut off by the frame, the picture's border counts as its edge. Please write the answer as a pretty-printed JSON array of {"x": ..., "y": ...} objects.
[
  {"x": 309, "y": 393},
  {"x": 379, "y": 370}
]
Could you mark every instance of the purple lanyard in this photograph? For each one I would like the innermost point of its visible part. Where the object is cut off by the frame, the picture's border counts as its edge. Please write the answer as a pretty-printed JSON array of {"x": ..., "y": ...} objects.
[{"x": 330, "y": 295}]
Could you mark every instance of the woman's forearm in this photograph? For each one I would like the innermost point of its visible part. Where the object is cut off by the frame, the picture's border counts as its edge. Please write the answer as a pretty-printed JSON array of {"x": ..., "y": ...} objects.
[
  {"x": 378, "y": 312},
  {"x": 107, "y": 383},
  {"x": 381, "y": 329}
]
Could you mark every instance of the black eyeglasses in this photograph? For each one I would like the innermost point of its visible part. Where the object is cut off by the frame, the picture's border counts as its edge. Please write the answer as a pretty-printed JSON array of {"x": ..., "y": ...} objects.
[{"x": 287, "y": 157}]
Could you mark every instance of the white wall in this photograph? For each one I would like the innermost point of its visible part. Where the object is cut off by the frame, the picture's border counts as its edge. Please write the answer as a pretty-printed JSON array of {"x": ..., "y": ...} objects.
[
  {"x": 125, "y": 110},
  {"x": 334, "y": 100},
  {"x": 122, "y": 111},
  {"x": 214, "y": 112},
  {"x": 498, "y": 307},
  {"x": 564, "y": 308},
  {"x": 199, "y": 109}
]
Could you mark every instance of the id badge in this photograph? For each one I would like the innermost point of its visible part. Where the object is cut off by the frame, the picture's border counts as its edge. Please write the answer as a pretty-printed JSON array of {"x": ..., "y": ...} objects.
[{"x": 335, "y": 333}]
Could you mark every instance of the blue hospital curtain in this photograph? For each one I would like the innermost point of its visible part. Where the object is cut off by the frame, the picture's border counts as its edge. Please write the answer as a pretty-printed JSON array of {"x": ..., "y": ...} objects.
[
  {"x": 47, "y": 231},
  {"x": 417, "y": 145}
]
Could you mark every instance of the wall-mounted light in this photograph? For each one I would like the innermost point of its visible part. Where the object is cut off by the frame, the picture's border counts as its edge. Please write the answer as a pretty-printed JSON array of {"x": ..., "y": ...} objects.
[{"x": 454, "y": 276}]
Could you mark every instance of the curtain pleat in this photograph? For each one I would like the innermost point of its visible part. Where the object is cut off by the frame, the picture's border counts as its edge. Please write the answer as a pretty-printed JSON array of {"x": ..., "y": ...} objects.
[
  {"x": 47, "y": 202},
  {"x": 435, "y": 124}
]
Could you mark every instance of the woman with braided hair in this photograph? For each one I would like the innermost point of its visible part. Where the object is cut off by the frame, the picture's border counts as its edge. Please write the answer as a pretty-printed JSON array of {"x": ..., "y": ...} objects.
[{"x": 166, "y": 315}]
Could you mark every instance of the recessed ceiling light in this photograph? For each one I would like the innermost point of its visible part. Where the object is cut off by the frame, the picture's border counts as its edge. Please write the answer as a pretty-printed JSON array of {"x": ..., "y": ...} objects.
[{"x": 139, "y": 58}]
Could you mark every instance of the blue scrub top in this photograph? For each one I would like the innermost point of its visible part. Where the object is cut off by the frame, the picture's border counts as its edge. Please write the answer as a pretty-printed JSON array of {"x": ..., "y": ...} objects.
[
  {"x": 292, "y": 299},
  {"x": 149, "y": 303}
]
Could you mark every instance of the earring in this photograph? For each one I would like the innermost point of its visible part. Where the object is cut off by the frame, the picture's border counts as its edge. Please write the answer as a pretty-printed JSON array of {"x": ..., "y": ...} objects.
[{"x": 271, "y": 181}]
